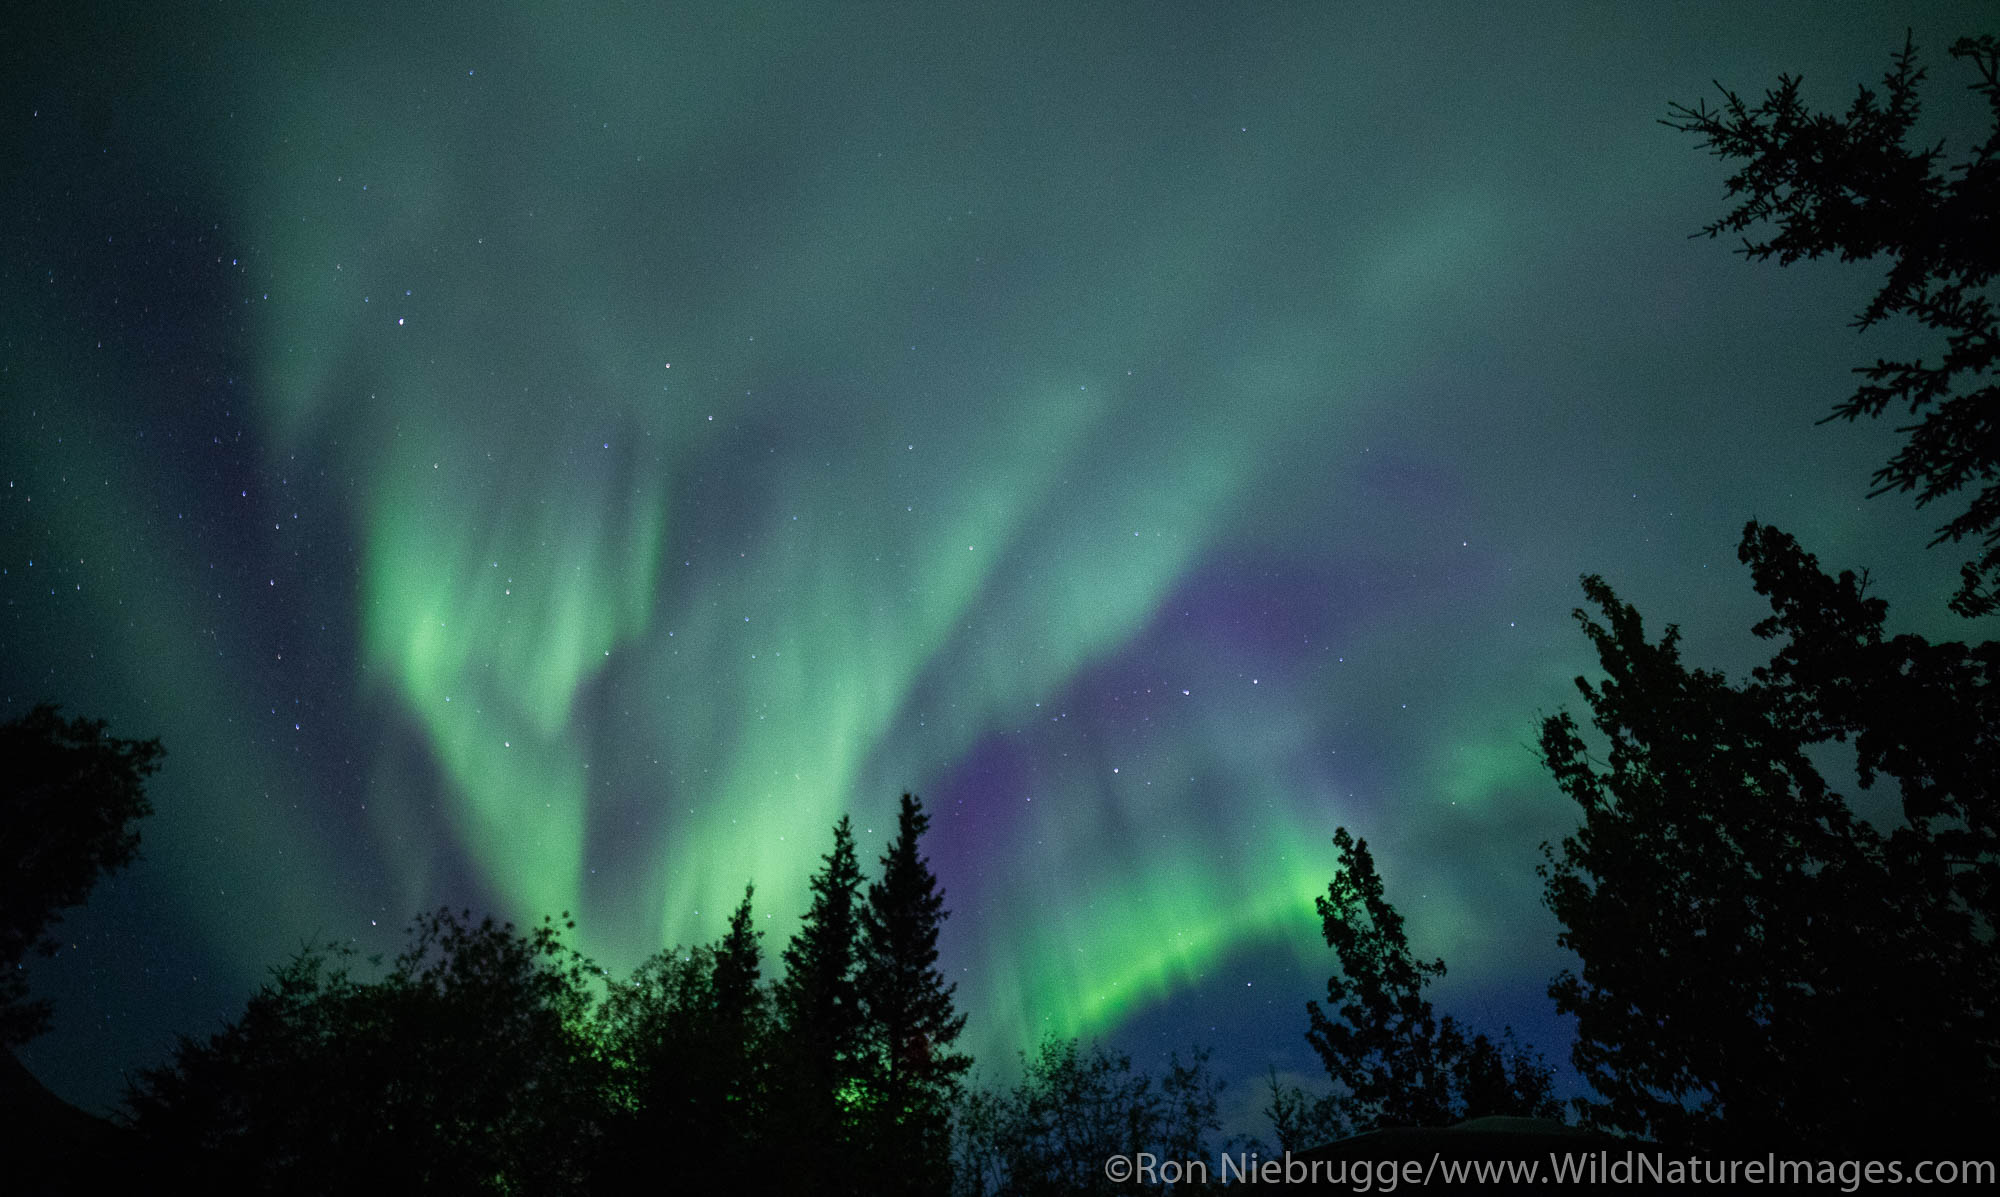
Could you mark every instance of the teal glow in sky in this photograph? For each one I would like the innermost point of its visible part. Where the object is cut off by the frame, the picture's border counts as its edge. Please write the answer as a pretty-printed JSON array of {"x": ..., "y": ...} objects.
[{"x": 554, "y": 462}]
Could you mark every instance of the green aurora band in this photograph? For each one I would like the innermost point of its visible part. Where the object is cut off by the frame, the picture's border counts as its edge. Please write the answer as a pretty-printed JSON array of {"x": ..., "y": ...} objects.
[
  {"x": 680, "y": 429},
  {"x": 735, "y": 469}
]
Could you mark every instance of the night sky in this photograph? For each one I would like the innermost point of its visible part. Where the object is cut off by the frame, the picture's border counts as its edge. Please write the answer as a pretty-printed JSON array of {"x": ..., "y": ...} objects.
[{"x": 562, "y": 460}]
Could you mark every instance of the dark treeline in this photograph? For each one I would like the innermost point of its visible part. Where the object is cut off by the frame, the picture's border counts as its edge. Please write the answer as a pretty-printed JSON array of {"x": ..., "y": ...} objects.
[
  {"x": 488, "y": 1060},
  {"x": 1758, "y": 968}
]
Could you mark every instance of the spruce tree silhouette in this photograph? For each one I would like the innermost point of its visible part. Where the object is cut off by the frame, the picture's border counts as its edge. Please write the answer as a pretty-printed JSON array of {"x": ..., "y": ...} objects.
[
  {"x": 817, "y": 1059},
  {"x": 914, "y": 1076},
  {"x": 1852, "y": 186},
  {"x": 739, "y": 1028},
  {"x": 688, "y": 1035},
  {"x": 1393, "y": 1060},
  {"x": 1760, "y": 966}
]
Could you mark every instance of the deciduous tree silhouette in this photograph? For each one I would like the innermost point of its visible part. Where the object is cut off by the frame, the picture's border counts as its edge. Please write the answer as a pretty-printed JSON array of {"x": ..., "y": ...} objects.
[
  {"x": 465, "y": 1069},
  {"x": 1301, "y": 1120},
  {"x": 69, "y": 796},
  {"x": 1074, "y": 1107},
  {"x": 1760, "y": 966},
  {"x": 1855, "y": 187},
  {"x": 1393, "y": 1060}
]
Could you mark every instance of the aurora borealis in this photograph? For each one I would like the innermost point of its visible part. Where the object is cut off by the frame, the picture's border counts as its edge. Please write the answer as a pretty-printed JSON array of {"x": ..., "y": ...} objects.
[{"x": 562, "y": 458}]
